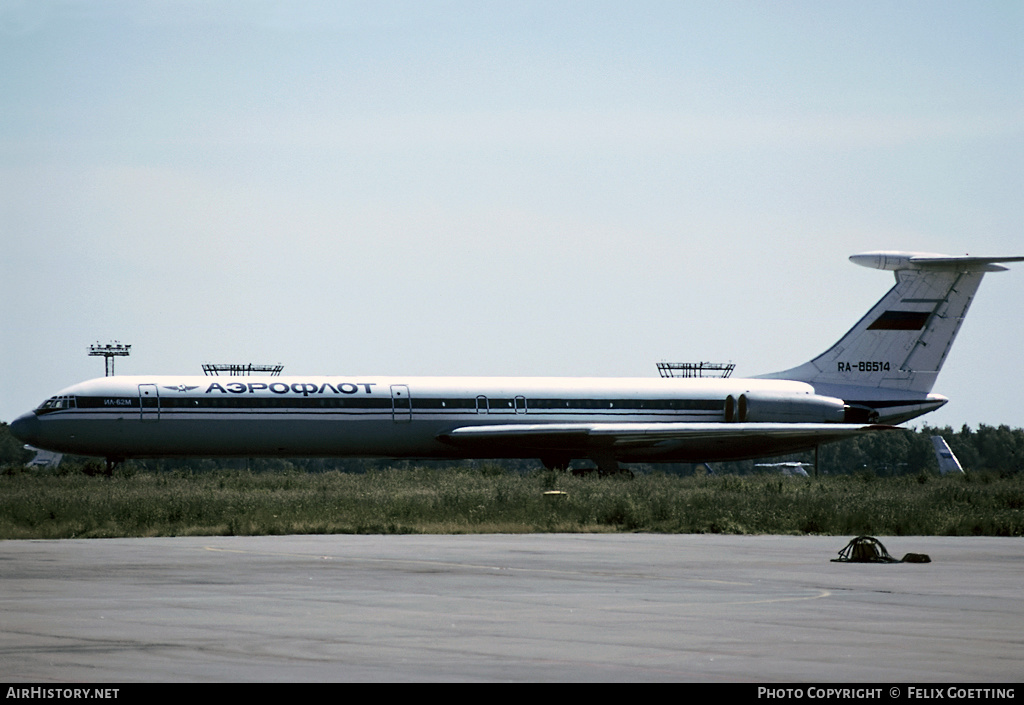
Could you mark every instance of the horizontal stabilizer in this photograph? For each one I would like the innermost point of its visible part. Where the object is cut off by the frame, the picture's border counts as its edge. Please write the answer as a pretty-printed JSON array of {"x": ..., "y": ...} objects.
[{"x": 897, "y": 261}]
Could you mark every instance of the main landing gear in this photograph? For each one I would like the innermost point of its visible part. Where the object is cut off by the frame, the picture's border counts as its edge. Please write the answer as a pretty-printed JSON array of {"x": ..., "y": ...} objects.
[
  {"x": 556, "y": 462},
  {"x": 607, "y": 466}
]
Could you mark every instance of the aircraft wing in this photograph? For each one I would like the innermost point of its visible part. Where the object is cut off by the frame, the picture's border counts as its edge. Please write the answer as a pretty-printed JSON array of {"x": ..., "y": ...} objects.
[{"x": 677, "y": 439}]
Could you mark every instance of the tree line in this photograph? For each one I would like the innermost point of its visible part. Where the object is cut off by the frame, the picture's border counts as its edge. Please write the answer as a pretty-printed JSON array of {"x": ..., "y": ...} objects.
[{"x": 997, "y": 449}]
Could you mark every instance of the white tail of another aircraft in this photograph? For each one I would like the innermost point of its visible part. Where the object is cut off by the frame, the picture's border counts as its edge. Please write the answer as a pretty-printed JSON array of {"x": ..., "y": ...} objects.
[
  {"x": 947, "y": 461},
  {"x": 899, "y": 346}
]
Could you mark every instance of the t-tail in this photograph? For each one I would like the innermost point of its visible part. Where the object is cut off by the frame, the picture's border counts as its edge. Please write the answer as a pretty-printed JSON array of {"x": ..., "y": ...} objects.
[{"x": 886, "y": 365}]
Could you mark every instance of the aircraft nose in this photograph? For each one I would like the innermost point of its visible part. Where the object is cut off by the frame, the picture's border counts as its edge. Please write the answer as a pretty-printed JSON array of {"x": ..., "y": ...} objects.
[{"x": 26, "y": 428}]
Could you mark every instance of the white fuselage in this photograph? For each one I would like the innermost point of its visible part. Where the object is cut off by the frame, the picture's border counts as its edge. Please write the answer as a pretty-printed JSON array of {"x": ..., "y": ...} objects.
[{"x": 359, "y": 416}]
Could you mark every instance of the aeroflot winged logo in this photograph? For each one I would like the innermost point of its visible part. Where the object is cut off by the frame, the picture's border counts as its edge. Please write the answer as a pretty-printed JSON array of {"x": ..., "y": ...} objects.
[
  {"x": 303, "y": 388},
  {"x": 183, "y": 388}
]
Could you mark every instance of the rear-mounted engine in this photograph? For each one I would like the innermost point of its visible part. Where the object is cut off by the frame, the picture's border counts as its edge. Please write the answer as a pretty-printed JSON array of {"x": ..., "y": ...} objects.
[{"x": 755, "y": 407}]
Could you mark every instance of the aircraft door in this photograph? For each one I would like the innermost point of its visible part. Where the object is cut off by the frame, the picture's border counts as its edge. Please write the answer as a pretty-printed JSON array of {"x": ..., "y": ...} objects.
[
  {"x": 149, "y": 403},
  {"x": 401, "y": 403}
]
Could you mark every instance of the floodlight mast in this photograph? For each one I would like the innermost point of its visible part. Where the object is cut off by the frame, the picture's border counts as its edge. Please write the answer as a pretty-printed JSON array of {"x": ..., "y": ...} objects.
[
  {"x": 110, "y": 351},
  {"x": 237, "y": 370},
  {"x": 695, "y": 369}
]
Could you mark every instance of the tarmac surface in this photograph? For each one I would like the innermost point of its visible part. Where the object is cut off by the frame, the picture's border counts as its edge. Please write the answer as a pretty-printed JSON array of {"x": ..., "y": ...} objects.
[{"x": 552, "y": 607}]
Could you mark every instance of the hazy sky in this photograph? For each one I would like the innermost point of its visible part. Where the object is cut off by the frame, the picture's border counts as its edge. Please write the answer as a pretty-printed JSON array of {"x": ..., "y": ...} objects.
[{"x": 499, "y": 188}]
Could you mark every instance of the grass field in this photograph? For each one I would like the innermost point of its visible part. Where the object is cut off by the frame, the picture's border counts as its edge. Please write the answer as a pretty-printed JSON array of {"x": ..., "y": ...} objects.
[{"x": 488, "y": 499}]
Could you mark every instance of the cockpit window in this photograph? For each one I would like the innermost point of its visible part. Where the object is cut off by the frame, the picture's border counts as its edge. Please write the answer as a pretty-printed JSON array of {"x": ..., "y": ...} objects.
[{"x": 57, "y": 403}]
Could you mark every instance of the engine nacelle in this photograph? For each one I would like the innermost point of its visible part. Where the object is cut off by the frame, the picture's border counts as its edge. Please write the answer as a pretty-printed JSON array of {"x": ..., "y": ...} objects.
[{"x": 762, "y": 407}]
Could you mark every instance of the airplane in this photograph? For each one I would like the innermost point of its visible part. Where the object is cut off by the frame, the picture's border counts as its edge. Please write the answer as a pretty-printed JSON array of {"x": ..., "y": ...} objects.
[
  {"x": 947, "y": 460},
  {"x": 791, "y": 468},
  {"x": 880, "y": 373},
  {"x": 44, "y": 458}
]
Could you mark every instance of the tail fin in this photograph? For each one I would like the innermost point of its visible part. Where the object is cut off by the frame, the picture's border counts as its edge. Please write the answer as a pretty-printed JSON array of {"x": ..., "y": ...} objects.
[
  {"x": 947, "y": 461},
  {"x": 903, "y": 340}
]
